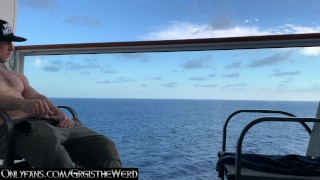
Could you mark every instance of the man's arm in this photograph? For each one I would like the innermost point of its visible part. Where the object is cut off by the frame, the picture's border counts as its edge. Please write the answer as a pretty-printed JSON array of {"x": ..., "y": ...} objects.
[
  {"x": 10, "y": 103},
  {"x": 53, "y": 111},
  {"x": 34, "y": 107}
]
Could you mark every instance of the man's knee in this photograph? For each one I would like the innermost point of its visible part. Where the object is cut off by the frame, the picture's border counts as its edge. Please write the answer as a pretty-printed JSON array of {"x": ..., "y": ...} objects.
[{"x": 109, "y": 155}]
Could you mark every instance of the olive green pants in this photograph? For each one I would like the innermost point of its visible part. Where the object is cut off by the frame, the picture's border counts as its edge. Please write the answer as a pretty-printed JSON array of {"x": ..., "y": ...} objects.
[{"x": 45, "y": 145}]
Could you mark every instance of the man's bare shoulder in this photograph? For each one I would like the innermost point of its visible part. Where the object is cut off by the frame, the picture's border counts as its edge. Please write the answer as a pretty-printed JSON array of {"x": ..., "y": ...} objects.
[
  {"x": 4, "y": 72},
  {"x": 12, "y": 74}
]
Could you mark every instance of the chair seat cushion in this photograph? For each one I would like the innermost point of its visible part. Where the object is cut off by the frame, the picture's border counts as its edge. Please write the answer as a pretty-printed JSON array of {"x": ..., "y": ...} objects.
[{"x": 283, "y": 164}]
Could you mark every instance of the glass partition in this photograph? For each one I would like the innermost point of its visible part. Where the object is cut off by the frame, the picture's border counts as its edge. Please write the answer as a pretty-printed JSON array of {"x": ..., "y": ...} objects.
[
  {"x": 165, "y": 110},
  {"x": 256, "y": 74}
]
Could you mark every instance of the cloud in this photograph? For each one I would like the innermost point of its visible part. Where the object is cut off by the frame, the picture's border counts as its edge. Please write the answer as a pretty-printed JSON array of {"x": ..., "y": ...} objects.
[
  {"x": 235, "y": 65},
  {"x": 154, "y": 78},
  {"x": 51, "y": 68},
  {"x": 294, "y": 29},
  {"x": 108, "y": 71},
  {"x": 70, "y": 65},
  {"x": 48, "y": 65},
  {"x": 224, "y": 26},
  {"x": 274, "y": 59},
  {"x": 104, "y": 82},
  {"x": 232, "y": 75},
  {"x": 56, "y": 62},
  {"x": 290, "y": 73},
  {"x": 57, "y": 65},
  {"x": 133, "y": 56},
  {"x": 310, "y": 51},
  {"x": 170, "y": 85},
  {"x": 83, "y": 21},
  {"x": 38, "y": 62},
  {"x": 206, "y": 85},
  {"x": 117, "y": 80},
  {"x": 251, "y": 20},
  {"x": 186, "y": 30},
  {"x": 197, "y": 79},
  {"x": 122, "y": 79},
  {"x": 235, "y": 85},
  {"x": 287, "y": 81},
  {"x": 212, "y": 75},
  {"x": 85, "y": 73},
  {"x": 40, "y": 4},
  {"x": 197, "y": 63}
]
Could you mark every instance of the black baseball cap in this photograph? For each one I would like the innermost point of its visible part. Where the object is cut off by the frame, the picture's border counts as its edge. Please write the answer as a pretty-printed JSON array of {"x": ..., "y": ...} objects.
[{"x": 6, "y": 33}]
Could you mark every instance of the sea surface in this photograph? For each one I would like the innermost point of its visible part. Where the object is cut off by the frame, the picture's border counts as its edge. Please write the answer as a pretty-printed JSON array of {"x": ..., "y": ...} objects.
[{"x": 180, "y": 139}]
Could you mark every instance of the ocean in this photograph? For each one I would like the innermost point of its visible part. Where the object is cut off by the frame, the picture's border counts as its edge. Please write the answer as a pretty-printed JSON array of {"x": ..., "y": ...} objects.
[{"x": 180, "y": 139}]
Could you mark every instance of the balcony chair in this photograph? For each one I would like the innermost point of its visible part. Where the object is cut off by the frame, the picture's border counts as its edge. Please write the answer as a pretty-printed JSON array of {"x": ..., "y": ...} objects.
[
  {"x": 234, "y": 165},
  {"x": 9, "y": 157}
]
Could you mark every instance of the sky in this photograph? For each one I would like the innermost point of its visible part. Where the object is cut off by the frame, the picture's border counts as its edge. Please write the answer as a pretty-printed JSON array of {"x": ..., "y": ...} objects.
[{"x": 260, "y": 74}]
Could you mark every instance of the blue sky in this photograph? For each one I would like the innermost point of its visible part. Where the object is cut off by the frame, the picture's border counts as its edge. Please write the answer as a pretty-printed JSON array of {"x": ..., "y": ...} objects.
[{"x": 269, "y": 74}]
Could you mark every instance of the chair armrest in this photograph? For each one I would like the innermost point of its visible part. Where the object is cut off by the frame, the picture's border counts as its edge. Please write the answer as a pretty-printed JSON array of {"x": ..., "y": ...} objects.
[
  {"x": 264, "y": 111},
  {"x": 260, "y": 120},
  {"x": 71, "y": 110},
  {"x": 7, "y": 120},
  {"x": 9, "y": 154}
]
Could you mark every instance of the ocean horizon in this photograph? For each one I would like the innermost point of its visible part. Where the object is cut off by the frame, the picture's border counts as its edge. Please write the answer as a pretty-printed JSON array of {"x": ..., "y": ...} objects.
[{"x": 180, "y": 138}]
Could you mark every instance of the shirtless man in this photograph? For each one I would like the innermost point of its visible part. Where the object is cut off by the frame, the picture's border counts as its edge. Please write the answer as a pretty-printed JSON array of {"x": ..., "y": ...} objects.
[
  {"x": 56, "y": 146},
  {"x": 21, "y": 101}
]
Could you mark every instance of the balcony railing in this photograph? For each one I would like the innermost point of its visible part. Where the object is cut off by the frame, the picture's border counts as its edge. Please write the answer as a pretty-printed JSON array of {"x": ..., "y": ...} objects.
[{"x": 230, "y": 43}]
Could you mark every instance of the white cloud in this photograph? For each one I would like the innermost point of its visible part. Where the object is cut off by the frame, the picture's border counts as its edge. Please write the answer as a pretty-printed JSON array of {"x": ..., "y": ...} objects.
[
  {"x": 294, "y": 29},
  {"x": 38, "y": 62},
  {"x": 185, "y": 30},
  {"x": 310, "y": 51}
]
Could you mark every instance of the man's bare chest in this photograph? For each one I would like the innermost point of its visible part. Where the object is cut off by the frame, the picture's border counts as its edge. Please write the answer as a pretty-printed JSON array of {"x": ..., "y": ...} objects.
[{"x": 10, "y": 81}]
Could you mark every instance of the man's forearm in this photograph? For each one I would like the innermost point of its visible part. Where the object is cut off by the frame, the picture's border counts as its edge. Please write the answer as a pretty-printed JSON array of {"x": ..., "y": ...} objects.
[
  {"x": 8, "y": 103},
  {"x": 31, "y": 107},
  {"x": 18, "y": 114}
]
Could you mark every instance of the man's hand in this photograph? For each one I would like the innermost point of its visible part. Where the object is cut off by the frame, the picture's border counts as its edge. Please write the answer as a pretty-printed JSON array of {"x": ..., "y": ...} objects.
[
  {"x": 63, "y": 121},
  {"x": 40, "y": 109},
  {"x": 37, "y": 107}
]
